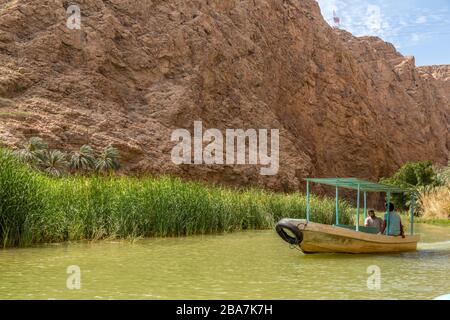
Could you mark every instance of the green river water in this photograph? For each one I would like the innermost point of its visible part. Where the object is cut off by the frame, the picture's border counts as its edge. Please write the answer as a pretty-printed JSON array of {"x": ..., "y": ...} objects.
[{"x": 244, "y": 265}]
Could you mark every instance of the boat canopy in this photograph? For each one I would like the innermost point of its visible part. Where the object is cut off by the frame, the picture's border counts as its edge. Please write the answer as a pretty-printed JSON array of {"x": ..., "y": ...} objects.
[
  {"x": 361, "y": 186},
  {"x": 358, "y": 184}
]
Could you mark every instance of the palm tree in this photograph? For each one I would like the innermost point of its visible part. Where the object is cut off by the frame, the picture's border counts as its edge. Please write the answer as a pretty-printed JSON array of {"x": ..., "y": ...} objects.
[
  {"x": 108, "y": 159},
  {"x": 84, "y": 159},
  {"x": 33, "y": 152},
  {"x": 54, "y": 163}
]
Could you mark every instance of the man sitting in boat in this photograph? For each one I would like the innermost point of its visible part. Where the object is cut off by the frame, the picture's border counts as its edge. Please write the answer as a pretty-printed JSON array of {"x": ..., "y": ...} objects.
[
  {"x": 373, "y": 221},
  {"x": 395, "y": 223}
]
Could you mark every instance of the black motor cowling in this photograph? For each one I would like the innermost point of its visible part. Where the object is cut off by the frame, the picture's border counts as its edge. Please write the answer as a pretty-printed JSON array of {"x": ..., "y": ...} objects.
[{"x": 289, "y": 232}]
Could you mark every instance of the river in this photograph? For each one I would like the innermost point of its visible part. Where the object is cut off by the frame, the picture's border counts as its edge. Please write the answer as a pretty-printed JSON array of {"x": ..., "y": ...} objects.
[{"x": 243, "y": 265}]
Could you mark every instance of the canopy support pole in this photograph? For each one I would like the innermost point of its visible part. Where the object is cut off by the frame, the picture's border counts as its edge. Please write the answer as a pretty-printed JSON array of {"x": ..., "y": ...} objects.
[
  {"x": 308, "y": 207},
  {"x": 337, "y": 205},
  {"x": 403, "y": 200},
  {"x": 357, "y": 207},
  {"x": 412, "y": 214},
  {"x": 388, "y": 203},
  {"x": 365, "y": 205}
]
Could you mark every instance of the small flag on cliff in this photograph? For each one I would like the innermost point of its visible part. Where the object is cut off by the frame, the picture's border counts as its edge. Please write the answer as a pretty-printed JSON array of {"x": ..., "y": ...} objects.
[{"x": 336, "y": 20}]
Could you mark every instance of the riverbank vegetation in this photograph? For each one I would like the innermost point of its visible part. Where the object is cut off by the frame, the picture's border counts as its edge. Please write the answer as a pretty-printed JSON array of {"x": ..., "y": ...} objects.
[
  {"x": 435, "y": 200},
  {"x": 432, "y": 187},
  {"x": 35, "y": 153},
  {"x": 38, "y": 206}
]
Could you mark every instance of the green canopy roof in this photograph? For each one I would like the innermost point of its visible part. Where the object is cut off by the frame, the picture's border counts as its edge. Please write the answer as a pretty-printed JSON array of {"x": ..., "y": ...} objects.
[{"x": 354, "y": 183}]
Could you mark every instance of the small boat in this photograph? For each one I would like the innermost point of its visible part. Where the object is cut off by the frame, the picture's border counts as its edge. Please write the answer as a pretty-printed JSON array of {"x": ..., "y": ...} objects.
[
  {"x": 319, "y": 238},
  {"x": 444, "y": 297},
  {"x": 313, "y": 237}
]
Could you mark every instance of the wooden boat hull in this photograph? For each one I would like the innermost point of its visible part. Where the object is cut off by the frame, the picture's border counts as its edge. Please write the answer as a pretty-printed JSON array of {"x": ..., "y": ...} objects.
[{"x": 320, "y": 238}]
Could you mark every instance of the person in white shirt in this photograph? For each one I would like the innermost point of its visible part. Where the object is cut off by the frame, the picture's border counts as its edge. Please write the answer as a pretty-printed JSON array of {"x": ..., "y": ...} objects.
[{"x": 373, "y": 221}]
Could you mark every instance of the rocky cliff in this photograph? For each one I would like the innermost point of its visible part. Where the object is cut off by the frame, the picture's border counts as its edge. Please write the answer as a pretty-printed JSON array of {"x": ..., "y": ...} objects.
[
  {"x": 138, "y": 69},
  {"x": 439, "y": 78}
]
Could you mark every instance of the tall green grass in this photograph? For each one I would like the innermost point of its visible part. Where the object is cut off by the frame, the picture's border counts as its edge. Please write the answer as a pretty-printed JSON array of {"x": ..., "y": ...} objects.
[
  {"x": 36, "y": 208},
  {"x": 20, "y": 198}
]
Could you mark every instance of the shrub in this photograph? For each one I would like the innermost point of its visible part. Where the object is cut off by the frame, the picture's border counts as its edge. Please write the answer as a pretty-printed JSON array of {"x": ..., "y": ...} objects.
[
  {"x": 54, "y": 163},
  {"x": 434, "y": 200},
  {"x": 32, "y": 152},
  {"x": 35, "y": 154},
  {"x": 435, "y": 203},
  {"x": 83, "y": 160},
  {"x": 108, "y": 159},
  {"x": 411, "y": 175}
]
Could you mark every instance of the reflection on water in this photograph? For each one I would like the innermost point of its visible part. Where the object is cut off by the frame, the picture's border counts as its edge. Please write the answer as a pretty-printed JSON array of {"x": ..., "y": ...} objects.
[{"x": 247, "y": 265}]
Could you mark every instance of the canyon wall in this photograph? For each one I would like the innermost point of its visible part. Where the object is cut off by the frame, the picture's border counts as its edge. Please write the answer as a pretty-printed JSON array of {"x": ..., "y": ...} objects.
[{"x": 137, "y": 70}]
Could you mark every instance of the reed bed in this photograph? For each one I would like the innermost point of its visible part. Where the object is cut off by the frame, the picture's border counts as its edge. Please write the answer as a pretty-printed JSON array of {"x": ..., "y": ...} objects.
[
  {"x": 435, "y": 203},
  {"x": 36, "y": 208}
]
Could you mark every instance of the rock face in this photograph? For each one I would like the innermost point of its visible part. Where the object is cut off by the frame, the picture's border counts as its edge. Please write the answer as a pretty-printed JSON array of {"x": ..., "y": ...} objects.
[
  {"x": 139, "y": 69},
  {"x": 438, "y": 77}
]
